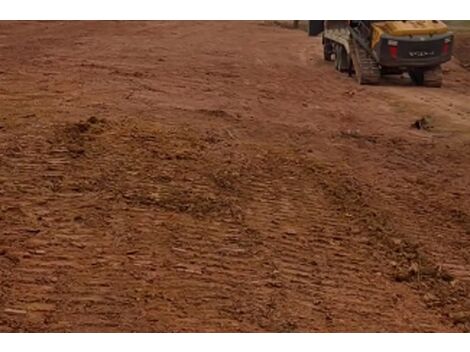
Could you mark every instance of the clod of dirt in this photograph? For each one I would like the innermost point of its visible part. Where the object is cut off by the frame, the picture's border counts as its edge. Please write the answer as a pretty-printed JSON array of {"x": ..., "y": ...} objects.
[
  {"x": 409, "y": 274},
  {"x": 423, "y": 124},
  {"x": 27, "y": 116},
  {"x": 290, "y": 231},
  {"x": 32, "y": 230},
  {"x": 444, "y": 275},
  {"x": 76, "y": 135},
  {"x": 431, "y": 300},
  {"x": 82, "y": 127},
  {"x": 414, "y": 268},
  {"x": 226, "y": 180},
  {"x": 14, "y": 311},
  {"x": 404, "y": 276},
  {"x": 419, "y": 272},
  {"x": 92, "y": 120},
  {"x": 78, "y": 245},
  {"x": 75, "y": 150},
  {"x": 212, "y": 137}
]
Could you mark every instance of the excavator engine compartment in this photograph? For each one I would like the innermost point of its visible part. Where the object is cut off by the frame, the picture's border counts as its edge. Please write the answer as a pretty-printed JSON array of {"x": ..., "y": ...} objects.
[{"x": 412, "y": 43}]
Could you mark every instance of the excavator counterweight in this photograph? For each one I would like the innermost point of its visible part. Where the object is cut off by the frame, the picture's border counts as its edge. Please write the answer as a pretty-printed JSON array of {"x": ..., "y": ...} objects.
[{"x": 371, "y": 49}]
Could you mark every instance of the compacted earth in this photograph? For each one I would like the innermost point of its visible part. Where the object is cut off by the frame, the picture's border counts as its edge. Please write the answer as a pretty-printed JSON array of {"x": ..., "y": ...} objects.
[{"x": 220, "y": 176}]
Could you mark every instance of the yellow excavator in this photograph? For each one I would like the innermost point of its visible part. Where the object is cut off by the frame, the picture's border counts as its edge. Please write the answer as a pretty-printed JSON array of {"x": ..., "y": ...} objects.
[{"x": 371, "y": 49}]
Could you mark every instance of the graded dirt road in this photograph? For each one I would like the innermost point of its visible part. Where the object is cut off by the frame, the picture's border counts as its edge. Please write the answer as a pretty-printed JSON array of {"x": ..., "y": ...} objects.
[{"x": 219, "y": 176}]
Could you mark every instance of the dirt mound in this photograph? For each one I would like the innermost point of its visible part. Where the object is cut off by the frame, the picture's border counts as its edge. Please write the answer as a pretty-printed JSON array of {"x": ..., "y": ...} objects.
[
  {"x": 424, "y": 123},
  {"x": 76, "y": 135}
]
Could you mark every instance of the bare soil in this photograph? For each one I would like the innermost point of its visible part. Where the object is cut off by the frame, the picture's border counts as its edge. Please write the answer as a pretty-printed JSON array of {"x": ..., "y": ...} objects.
[
  {"x": 462, "y": 48},
  {"x": 219, "y": 176}
]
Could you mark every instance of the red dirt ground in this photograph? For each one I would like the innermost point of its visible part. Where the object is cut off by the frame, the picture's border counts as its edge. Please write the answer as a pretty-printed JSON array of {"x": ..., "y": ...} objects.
[
  {"x": 219, "y": 176},
  {"x": 462, "y": 48}
]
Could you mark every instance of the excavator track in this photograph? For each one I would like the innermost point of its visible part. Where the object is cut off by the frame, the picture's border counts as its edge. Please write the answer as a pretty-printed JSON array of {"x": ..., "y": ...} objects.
[
  {"x": 433, "y": 77},
  {"x": 367, "y": 70}
]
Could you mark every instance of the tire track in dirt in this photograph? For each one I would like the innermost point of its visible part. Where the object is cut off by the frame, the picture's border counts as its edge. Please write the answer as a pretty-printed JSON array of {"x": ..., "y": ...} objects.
[
  {"x": 416, "y": 264},
  {"x": 424, "y": 176},
  {"x": 342, "y": 291}
]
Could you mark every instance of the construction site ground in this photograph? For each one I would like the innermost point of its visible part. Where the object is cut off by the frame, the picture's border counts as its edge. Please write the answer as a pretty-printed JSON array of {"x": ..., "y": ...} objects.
[{"x": 220, "y": 176}]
